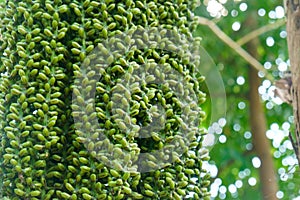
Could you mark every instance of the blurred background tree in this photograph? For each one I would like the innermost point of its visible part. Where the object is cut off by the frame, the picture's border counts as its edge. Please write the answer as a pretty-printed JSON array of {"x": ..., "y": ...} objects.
[{"x": 252, "y": 157}]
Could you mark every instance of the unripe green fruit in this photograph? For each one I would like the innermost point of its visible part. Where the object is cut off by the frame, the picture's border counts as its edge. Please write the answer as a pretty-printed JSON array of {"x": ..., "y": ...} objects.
[{"x": 44, "y": 46}]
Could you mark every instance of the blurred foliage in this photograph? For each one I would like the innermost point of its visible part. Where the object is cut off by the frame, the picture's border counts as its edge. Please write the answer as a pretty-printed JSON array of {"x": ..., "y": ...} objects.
[{"x": 233, "y": 156}]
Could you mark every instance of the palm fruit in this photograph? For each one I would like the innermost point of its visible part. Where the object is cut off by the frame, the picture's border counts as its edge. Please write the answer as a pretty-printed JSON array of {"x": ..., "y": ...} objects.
[{"x": 54, "y": 85}]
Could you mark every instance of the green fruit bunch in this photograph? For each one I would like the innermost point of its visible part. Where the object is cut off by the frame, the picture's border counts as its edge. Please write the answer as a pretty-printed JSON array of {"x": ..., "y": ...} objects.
[{"x": 80, "y": 81}]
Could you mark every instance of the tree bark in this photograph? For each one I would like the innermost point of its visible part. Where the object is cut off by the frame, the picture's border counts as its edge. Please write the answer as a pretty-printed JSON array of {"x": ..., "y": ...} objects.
[
  {"x": 293, "y": 39},
  {"x": 262, "y": 146}
]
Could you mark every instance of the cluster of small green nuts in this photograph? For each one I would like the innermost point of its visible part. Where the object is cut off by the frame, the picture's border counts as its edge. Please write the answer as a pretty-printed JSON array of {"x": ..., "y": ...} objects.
[
  {"x": 33, "y": 87},
  {"x": 45, "y": 47}
]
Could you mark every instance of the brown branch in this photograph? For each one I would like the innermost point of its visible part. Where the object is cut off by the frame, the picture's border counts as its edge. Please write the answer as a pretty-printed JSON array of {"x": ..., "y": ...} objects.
[
  {"x": 254, "y": 34},
  {"x": 235, "y": 46}
]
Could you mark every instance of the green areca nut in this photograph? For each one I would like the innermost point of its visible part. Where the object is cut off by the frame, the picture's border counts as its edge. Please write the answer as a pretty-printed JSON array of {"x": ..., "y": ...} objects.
[{"x": 43, "y": 46}]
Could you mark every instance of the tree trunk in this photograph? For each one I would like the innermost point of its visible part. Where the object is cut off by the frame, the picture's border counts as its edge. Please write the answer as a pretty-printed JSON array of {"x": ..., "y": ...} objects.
[
  {"x": 293, "y": 31},
  {"x": 261, "y": 144}
]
